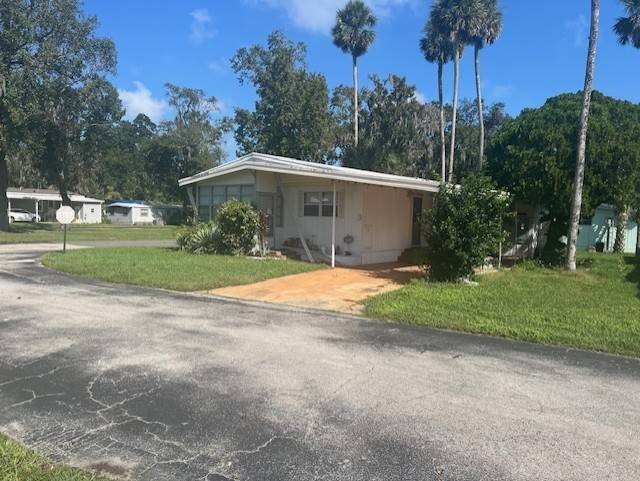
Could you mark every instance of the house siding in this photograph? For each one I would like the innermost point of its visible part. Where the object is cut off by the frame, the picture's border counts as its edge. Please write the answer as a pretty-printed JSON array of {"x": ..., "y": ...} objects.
[{"x": 378, "y": 218}]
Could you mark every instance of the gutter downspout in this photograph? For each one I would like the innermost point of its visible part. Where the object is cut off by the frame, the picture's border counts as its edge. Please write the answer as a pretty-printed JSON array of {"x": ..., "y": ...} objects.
[{"x": 333, "y": 228}]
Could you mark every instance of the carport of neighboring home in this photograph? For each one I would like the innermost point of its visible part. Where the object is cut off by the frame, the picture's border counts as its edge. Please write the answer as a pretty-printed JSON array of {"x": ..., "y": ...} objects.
[{"x": 348, "y": 216}]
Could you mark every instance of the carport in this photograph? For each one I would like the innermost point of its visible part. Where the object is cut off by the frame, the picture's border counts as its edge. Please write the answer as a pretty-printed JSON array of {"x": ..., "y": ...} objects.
[{"x": 44, "y": 203}]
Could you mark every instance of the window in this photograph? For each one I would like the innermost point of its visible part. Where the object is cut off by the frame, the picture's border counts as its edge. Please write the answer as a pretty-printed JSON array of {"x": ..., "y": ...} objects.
[
  {"x": 210, "y": 198},
  {"x": 144, "y": 212},
  {"x": 311, "y": 204},
  {"x": 92, "y": 210},
  {"x": 319, "y": 204}
]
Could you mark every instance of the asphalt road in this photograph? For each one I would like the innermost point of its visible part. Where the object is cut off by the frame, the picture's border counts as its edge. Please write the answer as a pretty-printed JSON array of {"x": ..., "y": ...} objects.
[{"x": 159, "y": 386}]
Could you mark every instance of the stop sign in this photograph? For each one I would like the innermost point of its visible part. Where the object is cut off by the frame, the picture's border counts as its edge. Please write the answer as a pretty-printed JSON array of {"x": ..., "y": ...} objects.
[{"x": 65, "y": 215}]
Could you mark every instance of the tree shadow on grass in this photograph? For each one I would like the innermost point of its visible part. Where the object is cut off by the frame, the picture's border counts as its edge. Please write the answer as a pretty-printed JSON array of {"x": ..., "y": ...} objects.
[{"x": 634, "y": 274}]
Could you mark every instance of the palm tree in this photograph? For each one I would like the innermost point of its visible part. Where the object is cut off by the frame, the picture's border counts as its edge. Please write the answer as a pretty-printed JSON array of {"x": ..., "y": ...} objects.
[
  {"x": 458, "y": 19},
  {"x": 628, "y": 28},
  {"x": 437, "y": 48},
  {"x": 353, "y": 34},
  {"x": 576, "y": 204},
  {"x": 488, "y": 30},
  {"x": 628, "y": 31}
]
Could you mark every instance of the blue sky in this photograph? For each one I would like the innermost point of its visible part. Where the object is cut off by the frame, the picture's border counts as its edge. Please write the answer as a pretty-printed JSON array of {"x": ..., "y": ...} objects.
[{"x": 540, "y": 54}]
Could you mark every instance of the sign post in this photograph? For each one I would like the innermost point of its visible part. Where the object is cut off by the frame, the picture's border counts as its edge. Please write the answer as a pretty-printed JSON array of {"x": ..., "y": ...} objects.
[{"x": 65, "y": 216}]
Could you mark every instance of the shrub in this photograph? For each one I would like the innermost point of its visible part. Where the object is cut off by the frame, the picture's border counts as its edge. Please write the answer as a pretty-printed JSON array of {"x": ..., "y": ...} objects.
[
  {"x": 200, "y": 239},
  {"x": 238, "y": 224},
  {"x": 463, "y": 228}
]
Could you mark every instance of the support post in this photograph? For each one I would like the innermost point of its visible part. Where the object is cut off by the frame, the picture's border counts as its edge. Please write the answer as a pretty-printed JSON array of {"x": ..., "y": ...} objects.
[
  {"x": 333, "y": 228},
  {"x": 64, "y": 242},
  {"x": 37, "y": 210}
]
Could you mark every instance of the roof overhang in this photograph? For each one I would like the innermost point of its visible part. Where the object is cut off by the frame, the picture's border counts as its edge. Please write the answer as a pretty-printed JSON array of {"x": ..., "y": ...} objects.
[
  {"x": 54, "y": 197},
  {"x": 284, "y": 165}
]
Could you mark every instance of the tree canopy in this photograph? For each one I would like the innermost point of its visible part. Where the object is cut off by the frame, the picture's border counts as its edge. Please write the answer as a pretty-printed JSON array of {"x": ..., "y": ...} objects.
[
  {"x": 291, "y": 116},
  {"x": 534, "y": 155}
]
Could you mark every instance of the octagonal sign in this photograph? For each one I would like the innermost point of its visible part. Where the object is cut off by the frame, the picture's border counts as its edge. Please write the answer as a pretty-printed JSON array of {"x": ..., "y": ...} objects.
[{"x": 65, "y": 215}]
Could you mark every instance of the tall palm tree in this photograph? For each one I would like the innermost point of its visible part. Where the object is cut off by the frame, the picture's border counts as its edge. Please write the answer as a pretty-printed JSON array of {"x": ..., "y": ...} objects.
[
  {"x": 488, "y": 30},
  {"x": 628, "y": 31},
  {"x": 576, "y": 204},
  {"x": 437, "y": 48},
  {"x": 353, "y": 34},
  {"x": 458, "y": 19}
]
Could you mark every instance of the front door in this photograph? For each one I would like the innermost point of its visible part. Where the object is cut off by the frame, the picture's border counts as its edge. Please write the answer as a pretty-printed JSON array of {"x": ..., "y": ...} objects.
[{"x": 416, "y": 234}]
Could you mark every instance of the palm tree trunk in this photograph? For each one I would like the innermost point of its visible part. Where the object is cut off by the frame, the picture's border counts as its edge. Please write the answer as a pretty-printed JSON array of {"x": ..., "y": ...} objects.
[
  {"x": 4, "y": 201},
  {"x": 454, "y": 116},
  {"x": 356, "y": 107},
  {"x": 443, "y": 140},
  {"x": 621, "y": 230},
  {"x": 480, "y": 108},
  {"x": 576, "y": 204}
]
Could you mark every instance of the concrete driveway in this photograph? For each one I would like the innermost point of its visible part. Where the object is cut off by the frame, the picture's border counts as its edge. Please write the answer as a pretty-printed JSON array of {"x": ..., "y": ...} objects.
[
  {"x": 340, "y": 289},
  {"x": 158, "y": 386}
]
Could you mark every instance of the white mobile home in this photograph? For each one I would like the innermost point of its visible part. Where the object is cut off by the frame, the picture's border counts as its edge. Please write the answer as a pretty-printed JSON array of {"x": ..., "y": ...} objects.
[
  {"x": 127, "y": 212},
  {"x": 43, "y": 203},
  {"x": 361, "y": 217}
]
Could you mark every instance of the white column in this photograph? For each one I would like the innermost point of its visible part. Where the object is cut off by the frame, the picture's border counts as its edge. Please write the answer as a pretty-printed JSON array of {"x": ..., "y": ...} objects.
[
  {"x": 333, "y": 228},
  {"x": 36, "y": 210}
]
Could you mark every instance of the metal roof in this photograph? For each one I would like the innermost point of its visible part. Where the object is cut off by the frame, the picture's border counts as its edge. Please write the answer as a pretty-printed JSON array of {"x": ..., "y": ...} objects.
[
  {"x": 129, "y": 204},
  {"x": 285, "y": 165},
  {"x": 48, "y": 194}
]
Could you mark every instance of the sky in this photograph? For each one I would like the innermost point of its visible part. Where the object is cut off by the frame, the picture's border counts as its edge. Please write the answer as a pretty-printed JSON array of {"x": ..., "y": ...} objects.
[{"x": 541, "y": 53}]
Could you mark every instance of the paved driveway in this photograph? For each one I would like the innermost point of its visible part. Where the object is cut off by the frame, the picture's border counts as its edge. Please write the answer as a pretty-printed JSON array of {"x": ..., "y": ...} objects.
[
  {"x": 158, "y": 386},
  {"x": 340, "y": 289}
]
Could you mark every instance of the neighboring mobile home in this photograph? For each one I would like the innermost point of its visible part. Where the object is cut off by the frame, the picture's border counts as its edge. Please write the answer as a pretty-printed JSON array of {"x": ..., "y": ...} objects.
[
  {"x": 347, "y": 215},
  {"x": 527, "y": 233},
  {"x": 43, "y": 203},
  {"x": 137, "y": 212},
  {"x": 129, "y": 212}
]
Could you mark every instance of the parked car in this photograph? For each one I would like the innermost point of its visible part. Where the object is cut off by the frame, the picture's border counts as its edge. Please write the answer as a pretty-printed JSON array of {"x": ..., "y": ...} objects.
[{"x": 21, "y": 215}]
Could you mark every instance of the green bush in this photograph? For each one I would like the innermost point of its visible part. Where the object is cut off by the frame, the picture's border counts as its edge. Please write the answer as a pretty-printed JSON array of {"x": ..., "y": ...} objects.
[
  {"x": 238, "y": 224},
  {"x": 463, "y": 228},
  {"x": 200, "y": 239}
]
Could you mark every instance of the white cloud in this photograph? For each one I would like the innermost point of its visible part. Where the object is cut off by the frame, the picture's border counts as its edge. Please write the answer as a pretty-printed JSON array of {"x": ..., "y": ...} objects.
[
  {"x": 141, "y": 101},
  {"x": 201, "y": 25},
  {"x": 579, "y": 29},
  {"x": 420, "y": 97},
  {"x": 320, "y": 15}
]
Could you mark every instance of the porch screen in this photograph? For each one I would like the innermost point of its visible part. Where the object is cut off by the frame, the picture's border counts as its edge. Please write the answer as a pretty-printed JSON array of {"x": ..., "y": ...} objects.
[{"x": 210, "y": 198}]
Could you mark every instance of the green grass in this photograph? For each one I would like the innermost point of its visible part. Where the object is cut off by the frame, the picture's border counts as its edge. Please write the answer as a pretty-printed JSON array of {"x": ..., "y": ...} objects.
[
  {"x": 597, "y": 308},
  {"x": 52, "y": 232},
  {"x": 20, "y": 464},
  {"x": 170, "y": 268}
]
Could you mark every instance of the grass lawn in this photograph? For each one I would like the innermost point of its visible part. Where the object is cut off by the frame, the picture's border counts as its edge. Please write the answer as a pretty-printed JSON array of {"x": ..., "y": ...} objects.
[
  {"x": 170, "y": 268},
  {"x": 52, "y": 232},
  {"x": 20, "y": 464},
  {"x": 597, "y": 308}
]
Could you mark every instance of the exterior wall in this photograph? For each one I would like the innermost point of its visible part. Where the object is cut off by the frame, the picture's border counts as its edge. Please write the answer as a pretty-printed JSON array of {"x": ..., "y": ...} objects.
[
  {"x": 598, "y": 231},
  {"x": 120, "y": 218},
  {"x": 379, "y": 219},
  {"x": 387, "y": 223},
  {"x": 318, "y": 229},
  {"x": 89, "y": 214},
  {"x": 138, "y": 218}
]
